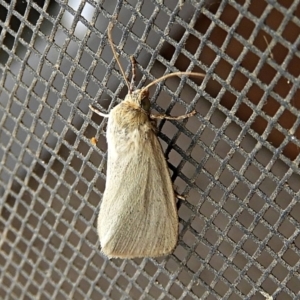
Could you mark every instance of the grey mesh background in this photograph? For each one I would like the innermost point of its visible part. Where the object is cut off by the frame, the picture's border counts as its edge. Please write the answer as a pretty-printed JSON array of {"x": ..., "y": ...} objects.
[{"x": 236, "y": 161}]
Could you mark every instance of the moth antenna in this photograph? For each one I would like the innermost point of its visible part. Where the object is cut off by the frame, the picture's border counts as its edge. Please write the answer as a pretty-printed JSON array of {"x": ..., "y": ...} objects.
[
  {"x": 133, "y": 74},
  {"x": 110, "y": 27},
  {"x": 171, "y": 75}
]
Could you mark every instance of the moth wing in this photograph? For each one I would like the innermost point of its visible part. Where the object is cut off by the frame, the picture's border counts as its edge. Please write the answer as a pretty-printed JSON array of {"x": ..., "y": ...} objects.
[{"x": 138, "y": 215}]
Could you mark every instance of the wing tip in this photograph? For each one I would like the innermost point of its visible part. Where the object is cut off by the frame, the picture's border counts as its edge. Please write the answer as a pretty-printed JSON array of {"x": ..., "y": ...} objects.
[{"x": 123, "y": 254}]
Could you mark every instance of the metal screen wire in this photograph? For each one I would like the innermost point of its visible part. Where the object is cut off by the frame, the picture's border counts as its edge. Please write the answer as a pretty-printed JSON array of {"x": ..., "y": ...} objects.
[{"x": 236, "y": 160}]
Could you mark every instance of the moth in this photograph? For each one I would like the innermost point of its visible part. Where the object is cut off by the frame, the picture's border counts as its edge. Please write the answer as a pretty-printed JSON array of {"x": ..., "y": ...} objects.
[{"x": 138, "y": 215}]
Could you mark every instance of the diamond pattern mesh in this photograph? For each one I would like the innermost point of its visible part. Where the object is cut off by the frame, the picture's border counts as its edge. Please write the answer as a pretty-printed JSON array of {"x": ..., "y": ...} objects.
[{"x": 237, "y": 161}]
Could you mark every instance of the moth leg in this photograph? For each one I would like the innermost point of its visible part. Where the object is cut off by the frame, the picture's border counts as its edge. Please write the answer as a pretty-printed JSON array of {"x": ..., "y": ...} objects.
[
  {"x": 178, "y": 203},
  {"x": 133, "y": 74},
  {"x": 93, "y": 141},
  {"x": 180, "y": 196},
  {"x": 173, "y": 118},
  {"x": 98, "y": 112}
]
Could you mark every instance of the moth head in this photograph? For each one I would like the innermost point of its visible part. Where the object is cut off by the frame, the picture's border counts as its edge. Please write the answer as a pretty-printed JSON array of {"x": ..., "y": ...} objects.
[{"x": 141, "y": 98}]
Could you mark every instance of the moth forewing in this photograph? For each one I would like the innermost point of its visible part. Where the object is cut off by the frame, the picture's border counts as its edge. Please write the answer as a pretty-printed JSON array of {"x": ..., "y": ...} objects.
[{"x": 138, "y": 215}]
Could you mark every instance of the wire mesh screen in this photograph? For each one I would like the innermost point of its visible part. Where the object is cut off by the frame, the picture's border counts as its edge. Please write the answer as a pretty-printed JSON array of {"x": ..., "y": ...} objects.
[{"x": 236, "y": 161}]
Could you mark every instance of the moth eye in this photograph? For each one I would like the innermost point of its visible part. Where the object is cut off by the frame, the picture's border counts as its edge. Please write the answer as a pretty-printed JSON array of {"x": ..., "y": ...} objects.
[{"x": 145, "y": 104}]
